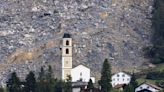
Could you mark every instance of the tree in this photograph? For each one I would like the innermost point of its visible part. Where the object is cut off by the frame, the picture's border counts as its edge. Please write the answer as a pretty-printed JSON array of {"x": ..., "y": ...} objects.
[
  {"x": 30, "y": 83},
  {"x": 1, "y": 89},
  {"x": 105, "y": 81},
  {"x": 50, "y": 79},
  {"x": 41, "y": 74},
  {"x": 156, "y": 51},
  {"x": 68, "y": 84},
  {"x": 14, "y": 84},
  {"x": 129, "y": 88},
  {"x": 161, "y": 91},
  {"x": 59, "y": 86},
  {"x": 90, "y": 84},
  {"x": 42, "y": 82},
  {"x": 133, "y": 83}
]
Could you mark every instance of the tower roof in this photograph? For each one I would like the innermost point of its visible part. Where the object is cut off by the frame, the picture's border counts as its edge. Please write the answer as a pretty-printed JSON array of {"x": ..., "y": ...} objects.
[{"x": 66, "y": 35}]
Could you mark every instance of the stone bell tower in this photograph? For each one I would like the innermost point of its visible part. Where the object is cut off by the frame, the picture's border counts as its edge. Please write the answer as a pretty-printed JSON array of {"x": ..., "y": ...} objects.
[{"x": 66, "y": 56}]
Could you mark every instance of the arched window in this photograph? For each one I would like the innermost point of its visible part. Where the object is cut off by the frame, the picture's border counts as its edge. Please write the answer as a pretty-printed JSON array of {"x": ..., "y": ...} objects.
[
  {"x": 67, "y": 42},
  {"x": 67, "y": 51}
]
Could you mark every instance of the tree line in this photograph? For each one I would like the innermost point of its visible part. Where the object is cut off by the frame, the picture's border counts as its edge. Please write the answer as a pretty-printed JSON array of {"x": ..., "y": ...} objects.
[
  {"x": 156, "y": 51},
  {"x": 45, "y": 82}
]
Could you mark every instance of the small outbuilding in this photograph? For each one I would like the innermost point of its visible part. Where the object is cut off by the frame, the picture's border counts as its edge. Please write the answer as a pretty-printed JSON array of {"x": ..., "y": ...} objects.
[{"x": 147, "y": 87}]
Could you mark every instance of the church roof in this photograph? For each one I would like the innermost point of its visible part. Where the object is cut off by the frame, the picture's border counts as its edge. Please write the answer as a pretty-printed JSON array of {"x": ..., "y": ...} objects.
[
  {"x": 66, "y": 35},
  {"x": 81, "y": 65}
]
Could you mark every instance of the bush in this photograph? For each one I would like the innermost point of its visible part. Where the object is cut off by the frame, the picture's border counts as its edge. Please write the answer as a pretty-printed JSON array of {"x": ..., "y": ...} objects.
[{"x": 156, "y": 75}]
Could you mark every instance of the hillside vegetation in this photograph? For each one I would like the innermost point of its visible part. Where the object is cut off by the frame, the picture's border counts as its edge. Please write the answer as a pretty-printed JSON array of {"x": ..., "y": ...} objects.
[{"x": 156, "y": 51}]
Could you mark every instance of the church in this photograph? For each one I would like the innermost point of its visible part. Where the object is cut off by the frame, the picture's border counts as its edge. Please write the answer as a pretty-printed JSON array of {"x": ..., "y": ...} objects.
[{"x": 78, "y": 73}]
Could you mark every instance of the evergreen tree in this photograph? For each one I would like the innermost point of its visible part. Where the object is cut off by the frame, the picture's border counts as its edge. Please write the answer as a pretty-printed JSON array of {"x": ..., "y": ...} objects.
[
  {"x": 90, "y": 84},
  {"x": 156, "y": 52},
  {"x": 30, "y": 83},
  {"x": 129, "y": 88},
  {"x": 14, "y": 84},
  {"x": 68, "y": 84},
  {"x": 50, "y": 79},
  {"x": 1, "y": 89},
  {"x": 59, "y": 86},
  {"x": 41, "y": 74},
  {"x": 42, "y": 82},
  {"x": 133, "y": 82},
  {"x": 105, "y": 81}
]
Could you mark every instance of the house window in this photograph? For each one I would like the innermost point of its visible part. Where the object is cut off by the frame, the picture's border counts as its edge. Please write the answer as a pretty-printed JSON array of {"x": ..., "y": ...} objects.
[
  {"x": 113, "y": 79},
  {"x": 81, "y": 74},
  {"x": 66, "y": 62},
  {"x": 117, "y": 79},
  {"x": 147, "y": 87},
  {"x": 127, "y": 79},
  {"x": 67, "y": 51},
  {"x": 118, "y": 75},
  {"x": 67, "y": 42},
  {"x": 122, "y": 79},
  {"x": 123, "y": 75},
  {"x": 140, "y": 87}
]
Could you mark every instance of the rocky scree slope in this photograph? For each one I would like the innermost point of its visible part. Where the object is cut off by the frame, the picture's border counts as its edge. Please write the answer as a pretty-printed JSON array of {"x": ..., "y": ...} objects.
[{"x": 31, "y": 32}]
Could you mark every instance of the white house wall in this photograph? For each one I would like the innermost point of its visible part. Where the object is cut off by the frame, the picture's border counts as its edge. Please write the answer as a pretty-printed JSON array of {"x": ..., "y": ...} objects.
[
  {"x": 120, "y": 78},
  {"x": 145, "y": 86}
]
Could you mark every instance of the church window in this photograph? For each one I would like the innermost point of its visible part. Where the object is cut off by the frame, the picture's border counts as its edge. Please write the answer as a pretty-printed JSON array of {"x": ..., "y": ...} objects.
[
  {"x": 67, "y": 51},
  {"x": 81, "y": 74},
  {"x": 67, "y": 42}
]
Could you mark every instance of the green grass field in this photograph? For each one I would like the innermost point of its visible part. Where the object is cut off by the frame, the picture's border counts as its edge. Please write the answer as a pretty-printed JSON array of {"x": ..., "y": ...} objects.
[{"x": 142, "y": 79}]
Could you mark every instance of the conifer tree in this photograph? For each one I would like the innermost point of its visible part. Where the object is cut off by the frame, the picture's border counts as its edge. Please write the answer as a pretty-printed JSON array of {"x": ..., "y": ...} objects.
[
  {"x": 1, "y": 89},
  {"x": 68, "y": 84},
  {"x": 41, "y": 84},
  {"x": 133, "y": 82},
  {"x": 90, "y": 84},
  {"x": 30, "y": 83},
  {"x": 14, "y": 84},
  {"x": 50, "y": 79},
  {"x": 129, "y": 88},
  {"x": 105, "y": 81}
]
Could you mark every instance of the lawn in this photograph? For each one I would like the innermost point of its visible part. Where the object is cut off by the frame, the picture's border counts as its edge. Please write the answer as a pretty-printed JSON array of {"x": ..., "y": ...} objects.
[{"x": 142, "y": 79}]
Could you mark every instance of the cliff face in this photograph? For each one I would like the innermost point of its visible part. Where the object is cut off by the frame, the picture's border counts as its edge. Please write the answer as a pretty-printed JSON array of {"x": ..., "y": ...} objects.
[{"x": 31, "y": 32}]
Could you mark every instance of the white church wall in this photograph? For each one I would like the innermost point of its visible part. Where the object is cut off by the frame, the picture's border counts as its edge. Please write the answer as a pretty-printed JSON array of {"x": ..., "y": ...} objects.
[
  {"x": 93, "y": 79},
  {"x": 80, "y": 73}
]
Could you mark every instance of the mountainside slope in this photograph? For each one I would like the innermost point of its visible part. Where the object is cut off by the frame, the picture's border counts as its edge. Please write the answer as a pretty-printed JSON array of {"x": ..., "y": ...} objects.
[{"x": 31, "y": 32}]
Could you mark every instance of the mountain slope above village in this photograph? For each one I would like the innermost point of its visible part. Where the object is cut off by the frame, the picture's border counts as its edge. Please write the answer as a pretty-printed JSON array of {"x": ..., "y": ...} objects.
[{"x": 31, "y": 32}]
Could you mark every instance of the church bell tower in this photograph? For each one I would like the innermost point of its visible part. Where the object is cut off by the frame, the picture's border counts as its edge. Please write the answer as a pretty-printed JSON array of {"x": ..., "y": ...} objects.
[{"x": 66, "y": 56}]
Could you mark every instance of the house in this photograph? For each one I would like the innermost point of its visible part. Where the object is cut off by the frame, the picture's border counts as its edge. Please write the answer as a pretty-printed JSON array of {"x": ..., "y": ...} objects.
[
  {"x": 147, "y": 87},
  {"x": 120, "y": 78}
]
